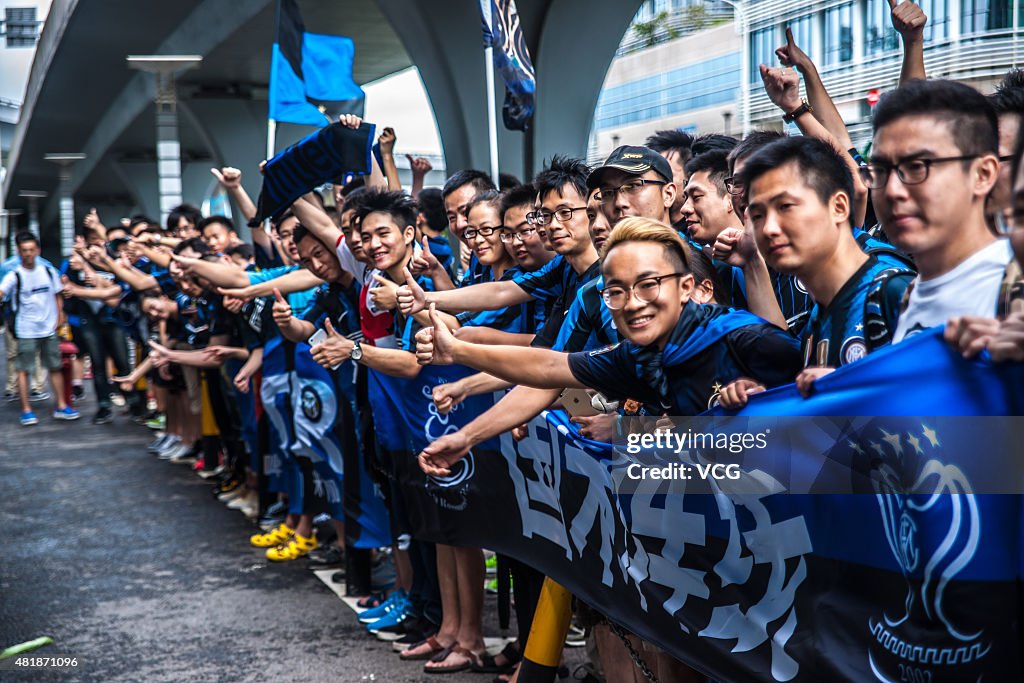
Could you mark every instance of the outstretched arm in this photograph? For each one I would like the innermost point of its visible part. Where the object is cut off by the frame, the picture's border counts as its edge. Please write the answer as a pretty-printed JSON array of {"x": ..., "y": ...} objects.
[{"x": 909, "y": 21}]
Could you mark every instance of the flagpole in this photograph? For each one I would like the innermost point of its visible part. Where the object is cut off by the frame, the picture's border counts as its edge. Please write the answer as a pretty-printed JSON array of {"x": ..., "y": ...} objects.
[
  {"x": 492, "y": 127},
  {"x": 271, "y": 138}
]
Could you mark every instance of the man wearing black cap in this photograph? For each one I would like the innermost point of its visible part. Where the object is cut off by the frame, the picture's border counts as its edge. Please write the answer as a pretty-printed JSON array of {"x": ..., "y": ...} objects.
[{"x": 635, "y": 181}]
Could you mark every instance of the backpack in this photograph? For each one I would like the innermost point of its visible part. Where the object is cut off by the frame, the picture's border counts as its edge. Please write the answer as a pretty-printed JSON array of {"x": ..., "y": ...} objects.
[{"x": 10, "y": 310}]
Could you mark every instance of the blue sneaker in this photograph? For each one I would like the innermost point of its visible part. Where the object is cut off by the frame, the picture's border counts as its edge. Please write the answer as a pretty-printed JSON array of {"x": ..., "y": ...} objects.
[
  {"x": 29, "y": 418},
  {"x": 374, "y": 613},
  {"x": 389, "y": 627},
  {"x": 66, "y": 413}
]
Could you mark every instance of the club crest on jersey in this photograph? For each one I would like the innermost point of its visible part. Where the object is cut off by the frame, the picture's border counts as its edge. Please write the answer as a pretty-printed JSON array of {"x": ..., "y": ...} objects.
[
  {"x": 312, "y": 407},
  {"x": 799, "y": 285},
  {"x": 853, "y": 349},
  {"x": 606, "y": 349}
]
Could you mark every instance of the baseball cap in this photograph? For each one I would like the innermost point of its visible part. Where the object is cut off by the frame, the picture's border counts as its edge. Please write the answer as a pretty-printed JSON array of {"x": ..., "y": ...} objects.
[{"x": 631, "y": 159}]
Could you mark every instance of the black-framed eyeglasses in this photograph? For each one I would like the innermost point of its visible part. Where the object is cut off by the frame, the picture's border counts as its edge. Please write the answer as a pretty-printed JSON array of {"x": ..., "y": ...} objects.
[
  {"x": 485, "y": 231},
  {"x": 733, "y": 187},
  {"x": 509, "y": 235},
  {"x": 645, "y": 290},
  {"x": 544, "y": 217},
  {"x": 608, "y": 194},
  {"x": 910, "y": 172}
]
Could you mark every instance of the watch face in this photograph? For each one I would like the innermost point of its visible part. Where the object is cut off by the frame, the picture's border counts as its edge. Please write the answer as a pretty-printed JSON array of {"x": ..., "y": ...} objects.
[{"x": 357, "y": 352}]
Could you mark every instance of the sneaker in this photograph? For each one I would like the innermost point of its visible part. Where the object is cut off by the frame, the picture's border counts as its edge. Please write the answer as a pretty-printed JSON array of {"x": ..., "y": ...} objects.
[
  {"x": 36, "y": 396},
  {"x": 66, "y": 413},
  {"x": 326, "y": 557},
  {"x": 298, "y": 547},
  {"x": 282, "y": 534},
  {"x": 10, "y": 396},
  {"x": 491, "y": 564},
  {"x": 158, "y": 443},
  {"x": 186, "y": 457},
  {"x": 103, "y": 416},
  {"x": 226, "y": 486},
  {"x": 231, "y": 495},
  {"x": 392, "y": 625},
  {"x": 416, "y": 631},
  {"x": 29, "y": 418},
  {"x": 77, "y": 392},
  {"x": 157, "y": 423},
  {"x": 396, "y": 601},
  {"x": 177, "y": 450},
  {"x": 117, "y": 400},
  {"x": 210, "y": 474},
  {"x": 244, "y": 500},
  {"x": 171, "y": 443}
]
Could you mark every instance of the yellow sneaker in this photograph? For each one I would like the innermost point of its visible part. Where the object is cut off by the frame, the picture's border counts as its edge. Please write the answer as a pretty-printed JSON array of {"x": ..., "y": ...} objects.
[
  {"x": 282, "y": 534},
  {"x": 298, "y": 547}
]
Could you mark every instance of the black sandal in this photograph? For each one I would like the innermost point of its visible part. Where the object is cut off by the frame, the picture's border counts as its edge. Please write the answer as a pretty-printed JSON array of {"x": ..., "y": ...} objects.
[{"x": 488, "y": 665}]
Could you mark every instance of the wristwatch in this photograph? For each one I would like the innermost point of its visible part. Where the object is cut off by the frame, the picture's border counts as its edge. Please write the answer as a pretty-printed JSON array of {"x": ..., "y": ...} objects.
[
  {"x": 792, "y": 116},
  {"x": 357, "y": 352}
]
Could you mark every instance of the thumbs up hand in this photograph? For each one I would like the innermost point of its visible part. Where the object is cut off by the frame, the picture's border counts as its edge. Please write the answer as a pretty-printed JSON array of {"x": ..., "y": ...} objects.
[
  {"x": 411, "y": 297},
  {"x": 282, "y": 310}
]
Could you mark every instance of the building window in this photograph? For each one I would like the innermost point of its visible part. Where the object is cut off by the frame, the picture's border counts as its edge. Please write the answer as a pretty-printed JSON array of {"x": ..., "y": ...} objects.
[
  {"x": 937, "y": 12},
  {"x": 839, "y": 34},
  {"x": 20, "y": 26},
  {"x": 879, "y": 35},
  {"x": 763, "y": 44},
  {"x": 803, "y": 33},
  {"x": 978, "y": 16}
]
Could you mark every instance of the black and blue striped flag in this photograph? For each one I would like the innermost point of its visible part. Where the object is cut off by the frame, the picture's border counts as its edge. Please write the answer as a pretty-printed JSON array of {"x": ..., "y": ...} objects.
[
  {"x": 310, "y": 73},
  {"x": 503, "y": 32}
]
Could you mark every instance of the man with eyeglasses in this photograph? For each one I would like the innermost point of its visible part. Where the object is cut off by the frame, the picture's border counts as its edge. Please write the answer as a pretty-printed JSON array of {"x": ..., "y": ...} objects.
[
  {"x": 561, "y": 214},
  {"x": 934, "y": 161}
]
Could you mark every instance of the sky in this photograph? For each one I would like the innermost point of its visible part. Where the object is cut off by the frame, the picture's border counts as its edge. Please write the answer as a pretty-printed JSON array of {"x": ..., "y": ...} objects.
[{"x": 401, "y": 102}]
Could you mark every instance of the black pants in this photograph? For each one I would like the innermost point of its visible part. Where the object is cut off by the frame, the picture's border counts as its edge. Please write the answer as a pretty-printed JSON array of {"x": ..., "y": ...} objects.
[
  {"x": 229, "y": 422},
  {"x": 102, "y": 340}
]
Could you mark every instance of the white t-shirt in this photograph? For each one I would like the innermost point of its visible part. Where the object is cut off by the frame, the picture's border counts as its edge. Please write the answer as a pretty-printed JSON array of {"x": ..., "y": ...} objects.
[
  {"x": 971, "y": 288},
  {"x": 35, "y": 305},
  {"x": 348, "y": 260}
]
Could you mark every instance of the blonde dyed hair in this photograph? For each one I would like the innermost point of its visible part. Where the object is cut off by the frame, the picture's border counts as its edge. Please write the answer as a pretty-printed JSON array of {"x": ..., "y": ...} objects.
[{"x": 637, "y": 229}]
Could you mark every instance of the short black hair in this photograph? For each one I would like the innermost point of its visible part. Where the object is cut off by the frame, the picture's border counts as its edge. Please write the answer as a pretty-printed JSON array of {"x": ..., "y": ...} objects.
[
  {"x": 275, "y": 224},
  {"x": 356, "y": 183},
  {"x": 215, "y": 220},
  {"x": 971, "y": 117},
  {"x": 137, "y": 219},
  {"x": 716, "y": 164},
  {"x": 492, "y": 197},
  {"x": 713, "y": 142},
  {"x": 25, "y": 236},
  {"x": 480, "y": 181},
  {"x": 395, "y": 203},
  {"x": 506, "y": 181},
  {"x": 671, "y": 141},
  {"x": 241, "y": 249},
  {"x": 524, "y": 195},
  {"x": 1009, "y": 95},
  {"x": 431, "y": 206},
  {"x": 754, "y": 141},
  {"x": 821, "y": 166},
  {"x": 196, "y": 244},
  {"x": 189, "y": 212},
  {"x": 559, "y": 172},
  {"x": 300, "y": 233}
]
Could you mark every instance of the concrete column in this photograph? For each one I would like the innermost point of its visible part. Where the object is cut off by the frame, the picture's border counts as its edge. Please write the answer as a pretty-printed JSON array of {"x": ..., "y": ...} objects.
[{"x": 65, "y": 198}]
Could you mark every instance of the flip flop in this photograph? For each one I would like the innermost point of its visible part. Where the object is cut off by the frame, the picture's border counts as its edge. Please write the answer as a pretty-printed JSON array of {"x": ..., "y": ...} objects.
[
  {"x": 435, "y": 648},
  {"x": 471, "y": 659}
]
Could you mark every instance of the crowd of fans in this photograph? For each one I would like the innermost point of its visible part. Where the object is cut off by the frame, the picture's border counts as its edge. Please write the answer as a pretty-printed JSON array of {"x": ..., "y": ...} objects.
[{"x": 802, "y": 255}]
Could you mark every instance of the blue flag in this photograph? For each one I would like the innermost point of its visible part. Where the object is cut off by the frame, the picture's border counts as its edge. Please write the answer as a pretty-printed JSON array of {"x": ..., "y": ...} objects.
[
  {"x": 503, "y": 32},
  {"x": 310, "y": 74}
]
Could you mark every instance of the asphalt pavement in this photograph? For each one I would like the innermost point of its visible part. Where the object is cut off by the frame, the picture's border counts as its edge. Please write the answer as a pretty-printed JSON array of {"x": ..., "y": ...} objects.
[{"x": 132, "y": 566}]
